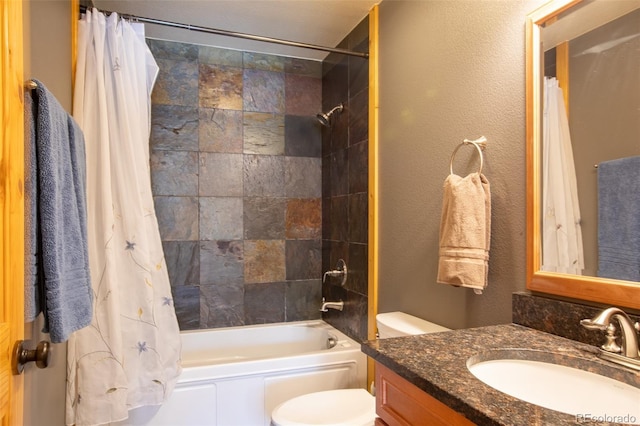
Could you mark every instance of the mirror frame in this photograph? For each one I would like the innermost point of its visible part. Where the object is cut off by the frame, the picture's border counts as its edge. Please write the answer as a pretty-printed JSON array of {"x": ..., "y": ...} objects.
[{"x": 595, "y": 289}]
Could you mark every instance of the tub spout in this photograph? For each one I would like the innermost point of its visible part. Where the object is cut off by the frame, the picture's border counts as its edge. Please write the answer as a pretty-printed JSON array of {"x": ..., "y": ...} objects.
[{"x": 331, "y": 305}]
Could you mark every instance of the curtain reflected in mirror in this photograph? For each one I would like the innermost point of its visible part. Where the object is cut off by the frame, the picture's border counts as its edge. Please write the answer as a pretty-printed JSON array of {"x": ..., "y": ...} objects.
[{"x": 562, "y": 233}]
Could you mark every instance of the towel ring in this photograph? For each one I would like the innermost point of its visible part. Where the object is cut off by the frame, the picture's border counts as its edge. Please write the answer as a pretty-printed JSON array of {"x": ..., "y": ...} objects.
[{"x": 480, "y": 144}]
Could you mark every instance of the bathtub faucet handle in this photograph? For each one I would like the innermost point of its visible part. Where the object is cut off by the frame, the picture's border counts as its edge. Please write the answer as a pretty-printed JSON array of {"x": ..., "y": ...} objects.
[
  {"x": 332, "y": 273},
  {"x": 341, "y": 270}
]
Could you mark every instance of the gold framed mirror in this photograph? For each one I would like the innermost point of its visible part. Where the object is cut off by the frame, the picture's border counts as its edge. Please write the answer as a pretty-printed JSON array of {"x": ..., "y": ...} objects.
[{"x": 611, "y": 291}]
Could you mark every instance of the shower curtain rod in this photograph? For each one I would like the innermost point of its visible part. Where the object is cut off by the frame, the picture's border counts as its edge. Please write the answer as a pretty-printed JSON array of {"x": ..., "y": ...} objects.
[{"x": 235, "y": 34}]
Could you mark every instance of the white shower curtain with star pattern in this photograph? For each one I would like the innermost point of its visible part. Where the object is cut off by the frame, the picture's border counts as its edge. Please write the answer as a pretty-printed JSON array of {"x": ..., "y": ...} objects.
[{"x": 130, "y": 355}]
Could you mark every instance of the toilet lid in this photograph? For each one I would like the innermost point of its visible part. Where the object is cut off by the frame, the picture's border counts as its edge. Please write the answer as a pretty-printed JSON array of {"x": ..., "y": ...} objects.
[{"x": 341, "y": 407}]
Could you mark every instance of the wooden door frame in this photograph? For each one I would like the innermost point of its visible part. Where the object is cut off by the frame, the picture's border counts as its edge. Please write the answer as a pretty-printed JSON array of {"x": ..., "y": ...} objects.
[{"x": 12, "y": 221}]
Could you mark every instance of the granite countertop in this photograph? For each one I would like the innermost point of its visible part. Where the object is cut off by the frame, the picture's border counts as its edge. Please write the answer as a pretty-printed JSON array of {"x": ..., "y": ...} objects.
[{"x": 437, "y": 364}]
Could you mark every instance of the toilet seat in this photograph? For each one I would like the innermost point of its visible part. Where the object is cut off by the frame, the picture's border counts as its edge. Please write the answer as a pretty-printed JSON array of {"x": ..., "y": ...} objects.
[{"x": 341, "y": 407}]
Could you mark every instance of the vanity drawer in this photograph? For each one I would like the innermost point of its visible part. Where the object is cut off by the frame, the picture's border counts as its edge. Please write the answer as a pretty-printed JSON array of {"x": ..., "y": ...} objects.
[{"x": 400, "y": 403}]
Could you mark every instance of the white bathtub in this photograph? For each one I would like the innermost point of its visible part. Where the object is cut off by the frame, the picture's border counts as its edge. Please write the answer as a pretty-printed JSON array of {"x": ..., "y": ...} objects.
[{"x": 238, "y": 375}]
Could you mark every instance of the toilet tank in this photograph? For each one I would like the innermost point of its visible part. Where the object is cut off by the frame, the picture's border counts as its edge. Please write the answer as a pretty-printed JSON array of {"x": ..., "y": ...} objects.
[{"x": 397, "y": 324}]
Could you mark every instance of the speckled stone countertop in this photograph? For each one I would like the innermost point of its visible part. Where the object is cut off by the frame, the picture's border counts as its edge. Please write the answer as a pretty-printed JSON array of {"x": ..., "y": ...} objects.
[{"x": 437, "y": 364}]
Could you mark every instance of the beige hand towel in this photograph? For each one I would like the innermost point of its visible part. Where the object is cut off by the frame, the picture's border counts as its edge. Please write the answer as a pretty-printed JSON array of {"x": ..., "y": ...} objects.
[{"x": 465, "y": 232}]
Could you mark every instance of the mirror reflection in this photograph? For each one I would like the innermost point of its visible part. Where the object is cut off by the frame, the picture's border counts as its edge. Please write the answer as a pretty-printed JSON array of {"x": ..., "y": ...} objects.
[{"x": 590, "y": 141}]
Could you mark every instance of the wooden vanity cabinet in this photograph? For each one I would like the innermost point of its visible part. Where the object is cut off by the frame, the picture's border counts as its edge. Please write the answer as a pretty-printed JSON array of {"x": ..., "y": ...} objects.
[{"x": 400, "y": 403}]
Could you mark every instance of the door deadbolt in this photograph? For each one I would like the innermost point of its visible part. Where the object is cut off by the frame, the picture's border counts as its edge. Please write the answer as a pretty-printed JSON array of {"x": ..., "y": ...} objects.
[{"x": 41, "y": 355}]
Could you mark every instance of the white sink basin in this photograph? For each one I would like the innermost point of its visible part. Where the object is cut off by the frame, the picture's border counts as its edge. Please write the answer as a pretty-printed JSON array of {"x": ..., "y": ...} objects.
[{"x": 561, "y": 388}]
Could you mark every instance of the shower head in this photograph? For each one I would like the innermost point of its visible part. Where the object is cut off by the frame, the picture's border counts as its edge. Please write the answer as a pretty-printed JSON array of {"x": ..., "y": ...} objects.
[{"x": 325, "y": 117}]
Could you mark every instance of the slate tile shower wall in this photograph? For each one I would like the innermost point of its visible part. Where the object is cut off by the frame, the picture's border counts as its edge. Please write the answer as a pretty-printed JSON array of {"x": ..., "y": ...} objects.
[
  {"x": 236, "y": 177},
  {"x": 345, "y": 151}
]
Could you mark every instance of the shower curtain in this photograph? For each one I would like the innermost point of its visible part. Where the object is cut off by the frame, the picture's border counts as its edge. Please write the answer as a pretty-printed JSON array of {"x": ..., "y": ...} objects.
[
  {"x": 130, "y": 355},
  {"x": 561, "y": 230}
]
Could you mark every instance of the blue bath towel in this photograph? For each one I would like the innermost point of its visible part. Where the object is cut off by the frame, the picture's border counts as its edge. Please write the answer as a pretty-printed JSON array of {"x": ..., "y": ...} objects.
[
  {"x": 59, "y": 269},
  {"x": 31, "y": 292},
  {"x": 619, "y": 219}
]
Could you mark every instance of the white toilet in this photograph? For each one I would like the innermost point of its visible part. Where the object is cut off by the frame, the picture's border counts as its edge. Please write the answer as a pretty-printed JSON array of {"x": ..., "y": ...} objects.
[{"x": 348, "y": 407}]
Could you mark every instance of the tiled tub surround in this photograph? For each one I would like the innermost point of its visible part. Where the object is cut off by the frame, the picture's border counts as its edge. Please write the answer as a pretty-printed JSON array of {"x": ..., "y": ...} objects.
[
  {"x": 345, "y": 185},
  {"x": 236, "y": 177},
  {"x": 437, "y": 364}
]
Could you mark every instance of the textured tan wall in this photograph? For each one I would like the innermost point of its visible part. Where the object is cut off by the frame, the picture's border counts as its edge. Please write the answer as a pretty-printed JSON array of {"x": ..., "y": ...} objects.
[{"x": 450, "y": 70}]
